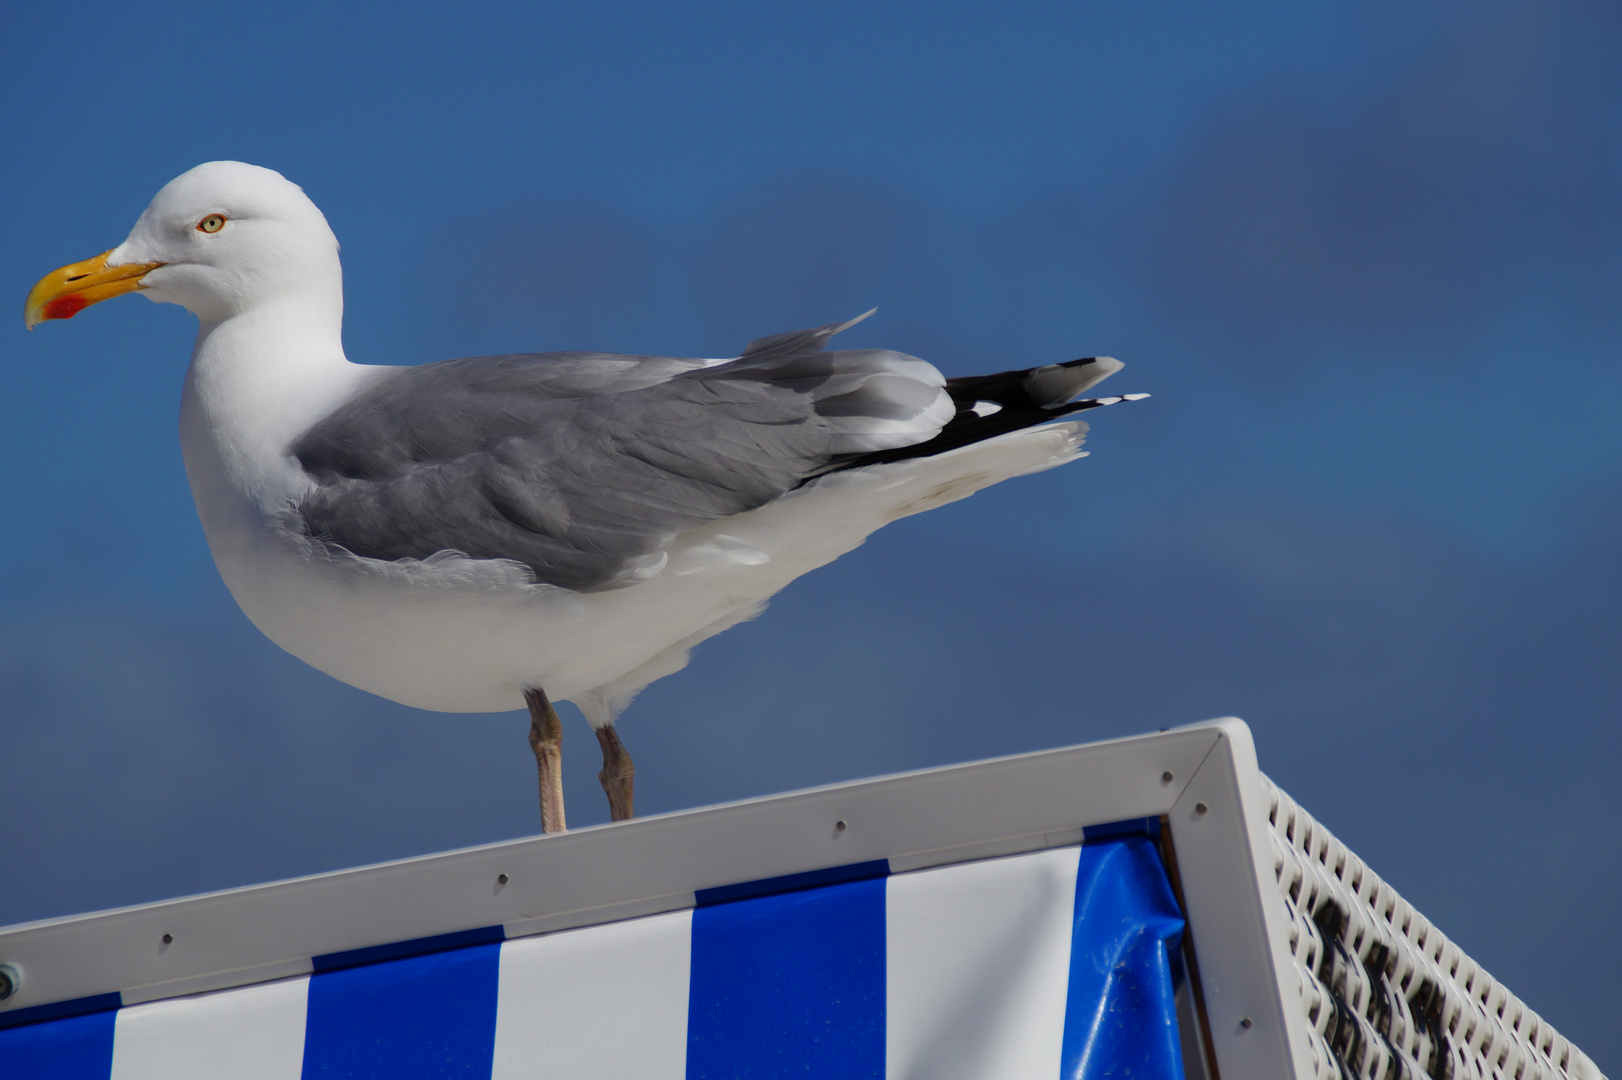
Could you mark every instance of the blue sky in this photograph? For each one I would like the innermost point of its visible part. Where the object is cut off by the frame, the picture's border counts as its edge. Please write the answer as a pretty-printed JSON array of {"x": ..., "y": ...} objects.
[{"x": 1366, "y": 258}]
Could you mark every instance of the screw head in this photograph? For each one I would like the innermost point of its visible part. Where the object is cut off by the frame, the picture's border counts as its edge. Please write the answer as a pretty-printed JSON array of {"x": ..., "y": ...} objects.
[
  {"x": 168, "y": 939},
  {"x": 840, "y": 826},
  {"x": 11, "y": 981},
  {"x": 1166, "y": 778},
  {"x": 1245, "y": 1023},
  {"x": 501, "y": 879},
  {"x": 1200, "y": 808}
]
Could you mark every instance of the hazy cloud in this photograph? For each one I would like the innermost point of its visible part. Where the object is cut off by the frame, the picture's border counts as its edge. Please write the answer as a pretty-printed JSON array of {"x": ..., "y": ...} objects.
[
  {"x": 1486, "y": 175},
  {"x": 1394, "y": 679}
]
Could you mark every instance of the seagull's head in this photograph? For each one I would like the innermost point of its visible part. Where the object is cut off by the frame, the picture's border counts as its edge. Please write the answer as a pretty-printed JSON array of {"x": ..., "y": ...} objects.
[{"x": 219, "y": 240}]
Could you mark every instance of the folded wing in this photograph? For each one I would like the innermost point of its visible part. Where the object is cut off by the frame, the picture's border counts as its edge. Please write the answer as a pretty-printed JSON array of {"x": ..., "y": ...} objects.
[{"x": 583, "y": 466}]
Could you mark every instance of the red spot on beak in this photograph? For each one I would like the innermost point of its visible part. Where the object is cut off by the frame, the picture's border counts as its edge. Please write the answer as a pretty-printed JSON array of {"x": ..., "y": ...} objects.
[{"x": 66, "y": 307}]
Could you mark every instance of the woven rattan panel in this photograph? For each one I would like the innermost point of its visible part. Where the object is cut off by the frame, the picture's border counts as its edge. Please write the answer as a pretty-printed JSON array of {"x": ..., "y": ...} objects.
[{"x": 1387, "y": 995}]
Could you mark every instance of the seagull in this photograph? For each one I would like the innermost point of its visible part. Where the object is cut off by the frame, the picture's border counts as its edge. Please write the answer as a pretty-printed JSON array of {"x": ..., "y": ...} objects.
[{"x": 495, "y": 532}]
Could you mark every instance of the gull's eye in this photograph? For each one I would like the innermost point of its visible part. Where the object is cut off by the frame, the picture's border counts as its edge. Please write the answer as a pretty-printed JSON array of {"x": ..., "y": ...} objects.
[{"x": 211, "y": 224}]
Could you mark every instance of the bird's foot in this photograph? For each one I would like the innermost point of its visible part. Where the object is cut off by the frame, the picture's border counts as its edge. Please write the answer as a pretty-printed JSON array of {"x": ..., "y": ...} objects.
[
  {"x": 618, "y": 774},
  {"x": 546, "y": 739}
]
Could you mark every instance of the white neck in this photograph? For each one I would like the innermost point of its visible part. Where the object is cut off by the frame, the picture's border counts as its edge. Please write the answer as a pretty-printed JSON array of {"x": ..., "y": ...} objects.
[{"x": 257, "y": 380}]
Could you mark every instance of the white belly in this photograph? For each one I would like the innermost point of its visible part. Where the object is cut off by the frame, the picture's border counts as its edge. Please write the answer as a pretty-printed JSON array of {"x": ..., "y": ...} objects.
[{"x": 455, "y": 634}]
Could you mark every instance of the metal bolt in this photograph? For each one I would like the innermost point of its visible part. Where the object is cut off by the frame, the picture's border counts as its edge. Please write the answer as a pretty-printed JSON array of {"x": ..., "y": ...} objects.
[
  {"x": 1200, "y": 808},
  {"x": 1166, "y": 778},
  {"x": 11, "y": 981},
  {"x": 839, "y": 826},
  {"x": 501, "y": 879},
  {"x": 1245, "y": 1023},
  {"x": 168, "y": 939}
]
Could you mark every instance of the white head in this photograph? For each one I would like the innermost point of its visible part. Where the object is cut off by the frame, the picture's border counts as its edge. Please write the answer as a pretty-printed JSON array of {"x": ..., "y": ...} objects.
[{"x": 221, "y": 240}]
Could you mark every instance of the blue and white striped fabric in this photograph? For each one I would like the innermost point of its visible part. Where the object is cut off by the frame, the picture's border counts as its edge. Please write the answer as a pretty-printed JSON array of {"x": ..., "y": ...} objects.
[{"x": 1058, "y": 963}]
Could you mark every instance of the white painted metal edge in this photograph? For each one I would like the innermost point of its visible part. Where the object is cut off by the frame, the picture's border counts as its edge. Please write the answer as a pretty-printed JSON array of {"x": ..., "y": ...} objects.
[{"x": 1236, "y": 921}]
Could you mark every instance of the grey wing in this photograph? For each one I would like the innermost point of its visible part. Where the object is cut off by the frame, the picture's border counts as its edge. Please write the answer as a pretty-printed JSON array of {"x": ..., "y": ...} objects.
[{"x": 583, "y": 466}]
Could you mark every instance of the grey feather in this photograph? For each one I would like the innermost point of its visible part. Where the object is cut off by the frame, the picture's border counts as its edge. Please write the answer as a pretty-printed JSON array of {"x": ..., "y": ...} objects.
[
  {"x": 582, "y": 466},
  {"x": 1055, "y": 384}
]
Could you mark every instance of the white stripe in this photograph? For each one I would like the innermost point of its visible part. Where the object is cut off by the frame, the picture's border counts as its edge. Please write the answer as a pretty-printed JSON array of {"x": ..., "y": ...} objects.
[
  {"x": 604, "y": 1002},
  {"x": 251, "y": 1033},
  {"x": 979, "y": 962}
]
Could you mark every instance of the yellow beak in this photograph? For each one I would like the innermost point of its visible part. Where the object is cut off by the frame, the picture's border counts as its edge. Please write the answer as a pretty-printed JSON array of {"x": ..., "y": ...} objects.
[{"x": 64, "y": 293}]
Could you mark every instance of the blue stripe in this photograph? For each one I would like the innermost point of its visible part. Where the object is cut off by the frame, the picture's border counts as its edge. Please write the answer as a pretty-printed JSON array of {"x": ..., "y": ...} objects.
[
  {"x": 1120, "y": 1014},
  {"x": 427, "y": 1016},
  {"x": 374, "y": 954},
  {"x": 789, "y": 985},
  {"x": 58, "y": 1009},
  {"x": 810, "y": 879},
  {"x": 78, "y": 1048}
]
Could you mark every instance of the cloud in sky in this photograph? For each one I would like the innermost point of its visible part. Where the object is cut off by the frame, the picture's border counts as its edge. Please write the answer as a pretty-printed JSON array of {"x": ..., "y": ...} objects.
[
  {"x": 1420, "y": 697},
  {"x": 1483, "y": 176}
]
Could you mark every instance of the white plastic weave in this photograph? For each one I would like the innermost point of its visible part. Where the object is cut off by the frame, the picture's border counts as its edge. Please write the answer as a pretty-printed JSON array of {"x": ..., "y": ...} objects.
[{"x": 1386, "y": 994}]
